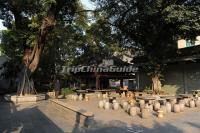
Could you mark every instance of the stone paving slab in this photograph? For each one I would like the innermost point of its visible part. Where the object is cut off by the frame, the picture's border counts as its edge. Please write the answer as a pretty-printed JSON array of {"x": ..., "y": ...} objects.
[
  {"x": 34, "y": 118},
  {"x": 117, "y": 120},
  {"x": 42, "y": 117}
]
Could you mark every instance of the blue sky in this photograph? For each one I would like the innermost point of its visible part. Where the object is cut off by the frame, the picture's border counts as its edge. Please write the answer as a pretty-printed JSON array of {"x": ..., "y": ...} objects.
[{"x": 86, "y": 3}]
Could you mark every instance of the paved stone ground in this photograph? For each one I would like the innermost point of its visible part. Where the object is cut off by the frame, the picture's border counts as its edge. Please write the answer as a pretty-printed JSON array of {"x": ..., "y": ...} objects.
[
  {"x": 119, "y": 121},
  {"x": 44, "y": 118},
  {"x": 32, "y": 118}
]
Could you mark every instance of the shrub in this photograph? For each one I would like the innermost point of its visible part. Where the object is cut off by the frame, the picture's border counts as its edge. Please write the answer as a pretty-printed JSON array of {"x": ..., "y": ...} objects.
[{"x": 67, "y": 91}]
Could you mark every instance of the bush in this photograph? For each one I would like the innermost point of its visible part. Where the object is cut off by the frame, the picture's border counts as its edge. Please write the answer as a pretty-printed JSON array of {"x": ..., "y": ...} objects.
[
  {"x": 67, "y": 91},
  {"x": 147, "y": 89},
  {"x": 115, "y": 88}
]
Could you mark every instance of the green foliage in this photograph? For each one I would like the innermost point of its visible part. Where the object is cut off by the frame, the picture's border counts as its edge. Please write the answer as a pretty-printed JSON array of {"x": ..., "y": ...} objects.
[
  {"x": 72, "y": 41},
  {"x": 67, "y": 91},
  {"x": 186, "y": 18},
  {"x": 10, "y": 69},
  {"x": 154, "y": 68},
  {"x": 99, "y": 43},
  {"x": 12, "y": 43},
  {"x": 152, "y": 27},
  {"x": 24, "y": 19},
  {"x": 115, "y": 88},
  {"x": 147, "y": 89}
]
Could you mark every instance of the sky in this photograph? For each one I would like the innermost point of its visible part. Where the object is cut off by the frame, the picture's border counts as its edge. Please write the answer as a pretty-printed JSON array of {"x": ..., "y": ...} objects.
[
  {"x": 86, "y": 3},
  {"x": 1, "y": 26}
]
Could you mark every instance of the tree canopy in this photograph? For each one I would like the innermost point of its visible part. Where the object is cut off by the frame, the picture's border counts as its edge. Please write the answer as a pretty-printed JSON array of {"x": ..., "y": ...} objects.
[
  {"x": 153, "y": 26},
  {"x": 60, "y": 30},
  {"x": 31, "y": 26}
]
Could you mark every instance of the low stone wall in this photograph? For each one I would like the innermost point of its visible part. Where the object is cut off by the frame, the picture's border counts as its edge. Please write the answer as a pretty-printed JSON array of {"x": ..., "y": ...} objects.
[
  {"x": 51, "y": 94},
  {"x": 80, "y": 117},
  {"x": 23, "y": 99}
]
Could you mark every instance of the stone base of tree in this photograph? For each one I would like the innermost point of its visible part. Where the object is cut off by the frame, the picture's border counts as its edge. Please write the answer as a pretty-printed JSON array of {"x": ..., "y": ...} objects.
[
  {"x": 51, "y": 94},
  {"x": 23, "y": 99}
]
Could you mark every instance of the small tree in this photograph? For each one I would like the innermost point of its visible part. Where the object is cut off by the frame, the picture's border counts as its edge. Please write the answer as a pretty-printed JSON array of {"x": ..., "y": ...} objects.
[{"x": 154, "y": 71}]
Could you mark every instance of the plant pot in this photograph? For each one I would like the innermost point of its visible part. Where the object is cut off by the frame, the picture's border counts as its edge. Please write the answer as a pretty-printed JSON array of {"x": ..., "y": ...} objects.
[
  {"x": 168, "y": 107},
  {"x": 86, "y": 98},
  {"x": 80, "y": 97},
  {"x": 98, "y": 95},
  {"x": 115, "y": 106},
  {"x": 160, "y": 113},
  {"x": 142, "y": 104},
  {"x": 101, "y": 104},
  {"x": 145, "y": 113},
  {"x": 123, "y": 95},
  {"x": 75, "y": 97},
  {"x": 151, "y": 107},
  {"x": 177, "y": 108},
  {"x": 182, "y": 106},
  {"x": 114, "y": 101},
  {"x": 174, "y": 101},
  {"x": 156, "y": 106},
  {"x": 132, "y": 102},
  {"x": 164, "y": 109},
  {"x": 124, "y": 105},
  {"x": 128, "y": 108},
  {"x": 107, "y": 106},
  {"x": 181, "y": 102},
  {"x": 104, "y": 96},
  {"x": 138, "y": 110},
  {"x": 187, "y": 103},
  {"x": 133, "y": 111},
  {"x": 197, "y": 102},
  {"x": 192, "y": 104}
]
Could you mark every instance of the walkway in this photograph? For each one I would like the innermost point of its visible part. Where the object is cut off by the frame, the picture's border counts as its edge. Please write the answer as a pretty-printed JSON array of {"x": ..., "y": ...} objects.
[
  {"x": 44, "y": 118},
  {"x": 32, "y": 118}
]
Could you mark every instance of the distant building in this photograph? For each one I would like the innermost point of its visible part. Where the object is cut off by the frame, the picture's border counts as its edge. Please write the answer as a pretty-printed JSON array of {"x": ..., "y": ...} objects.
[
  {"x": 108, "y": 79},
  {"x": 181, "y": 75}
]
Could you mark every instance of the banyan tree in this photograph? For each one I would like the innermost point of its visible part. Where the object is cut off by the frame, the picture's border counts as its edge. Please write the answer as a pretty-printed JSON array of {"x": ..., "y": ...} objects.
[{"x": 33, "y": 20}]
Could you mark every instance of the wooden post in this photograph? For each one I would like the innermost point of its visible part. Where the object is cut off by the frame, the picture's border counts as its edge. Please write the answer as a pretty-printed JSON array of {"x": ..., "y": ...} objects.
[
  {"x": 121, "y": 83},
  {"x": 97, "y": 82},
  {"x": 185, "y": 78}
]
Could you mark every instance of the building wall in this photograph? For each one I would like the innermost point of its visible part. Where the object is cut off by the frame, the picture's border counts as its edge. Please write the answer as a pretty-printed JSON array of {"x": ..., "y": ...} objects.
[
  {"x": 142, "y": 79},
  {"x": 178, "y": 77},
  {"x": 193, "y": 76},
  {"x": 174, "y": 79}
]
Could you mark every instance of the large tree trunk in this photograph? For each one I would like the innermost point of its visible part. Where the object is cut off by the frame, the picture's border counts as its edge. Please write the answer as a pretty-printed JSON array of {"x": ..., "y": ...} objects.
[
  {"x": 47, "y": 24},
  {"x": 156, "y": 84},
  {"x": 26, "y": 84},
  {"x": 32, "y": 57}
]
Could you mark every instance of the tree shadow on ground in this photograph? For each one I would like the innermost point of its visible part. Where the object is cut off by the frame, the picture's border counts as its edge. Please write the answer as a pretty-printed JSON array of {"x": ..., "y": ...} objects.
[
  {"x": 194, "y": 125},
  {"x": 27, "y": 120},
  {"x": 117, "y": 126},
  {"x": 32, "y": 120}
]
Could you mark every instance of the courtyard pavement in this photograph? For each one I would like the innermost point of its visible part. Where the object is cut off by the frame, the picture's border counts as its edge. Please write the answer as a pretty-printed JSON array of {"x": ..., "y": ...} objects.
[{"x": 42, "y": 117}]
